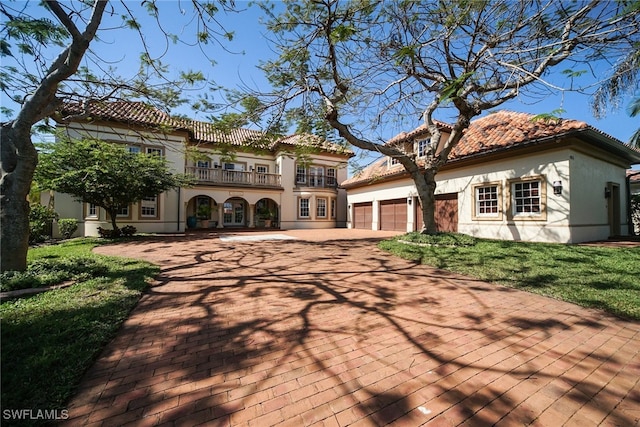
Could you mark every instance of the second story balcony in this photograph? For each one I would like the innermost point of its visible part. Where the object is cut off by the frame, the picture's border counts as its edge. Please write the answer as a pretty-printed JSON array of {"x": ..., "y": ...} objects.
[{"x": 234, "y": 178}]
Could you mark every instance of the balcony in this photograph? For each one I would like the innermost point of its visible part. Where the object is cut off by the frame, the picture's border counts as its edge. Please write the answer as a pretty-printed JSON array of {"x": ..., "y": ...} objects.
[
  {"x": 316, "y": 181},
  {"x": 234, "y": 178}
]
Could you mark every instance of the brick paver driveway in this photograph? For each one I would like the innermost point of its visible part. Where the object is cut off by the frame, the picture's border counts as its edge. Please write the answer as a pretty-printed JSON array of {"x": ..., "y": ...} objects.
[{"x": 335, "y": 332}]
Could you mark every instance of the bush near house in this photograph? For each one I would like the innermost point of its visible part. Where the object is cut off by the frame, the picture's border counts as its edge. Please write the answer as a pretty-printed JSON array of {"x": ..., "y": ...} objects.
[{"x": 67, "y": 227}]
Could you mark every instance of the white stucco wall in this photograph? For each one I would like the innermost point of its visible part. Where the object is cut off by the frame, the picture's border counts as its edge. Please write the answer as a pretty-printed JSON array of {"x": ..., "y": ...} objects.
[
  {"x": 578, "y": 214},
  {"x": 175, "y": 206}
]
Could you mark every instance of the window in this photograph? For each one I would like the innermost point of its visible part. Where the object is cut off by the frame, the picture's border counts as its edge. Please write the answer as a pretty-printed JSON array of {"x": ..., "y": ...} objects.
[
  {"x": 154, "y": 150},
  {"x": 487, "y": 200},
  {"x": 393, "y": 161},
  {"x": 301, "y": 174},
  {"x": 261, "y": 171},
  {"x": 424, "y": 147},
  {"x": 203, "y": 164},
  {"x": 149, "y": 207},
  {"x": 303, "y": 208},
  {"x": 333, "y": 208},
  {"x": 321, "y": 208},
  {"x": 331, "y": 177},
  {"x": 316, "y": 176},
  {"x": 133, "y": 149},
  {"x": 92, "y": 210},
  {"x": 527, "y": 198},
  {"x": 123, "y": 212}
]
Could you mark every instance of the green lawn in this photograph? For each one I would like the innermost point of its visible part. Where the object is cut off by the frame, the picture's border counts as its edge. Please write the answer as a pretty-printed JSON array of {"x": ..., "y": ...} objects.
[
  {"x": 605, "y": 278},
  {"x": 50, "y": 339}
]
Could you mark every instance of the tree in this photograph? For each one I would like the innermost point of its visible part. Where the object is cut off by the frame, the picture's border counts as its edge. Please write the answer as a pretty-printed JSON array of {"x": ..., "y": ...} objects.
[
  {"x": 367, "y": 65},
  {"x": 104, "y": 174},
  {"x": 625, "y": 80},
  {"x": 39, "y": 86}
]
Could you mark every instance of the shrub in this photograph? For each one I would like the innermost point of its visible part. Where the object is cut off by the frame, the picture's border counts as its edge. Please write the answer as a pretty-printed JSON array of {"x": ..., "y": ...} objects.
[
  {"x": 105, "y": 233},
  {"x": 128, "y": 230},
  {"x": 40, "y": 220},
  {"x": 52, "y": 271},
  {"x": 67, "y": 227}
]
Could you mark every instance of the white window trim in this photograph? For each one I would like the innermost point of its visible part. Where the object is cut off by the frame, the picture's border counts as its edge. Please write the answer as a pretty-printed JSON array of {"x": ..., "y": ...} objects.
[
  {"x": 308, "y": 208},
  {"x": 542, "y": 196},
  {"x": 476, "y": 201},
  {"x": 318, "y": 207}
]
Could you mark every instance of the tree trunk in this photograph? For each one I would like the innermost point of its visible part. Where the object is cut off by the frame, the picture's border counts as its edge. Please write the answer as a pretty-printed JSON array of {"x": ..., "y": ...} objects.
[
  {"x": 18, "y": 161},
  {"x": 425, "y": 181}
]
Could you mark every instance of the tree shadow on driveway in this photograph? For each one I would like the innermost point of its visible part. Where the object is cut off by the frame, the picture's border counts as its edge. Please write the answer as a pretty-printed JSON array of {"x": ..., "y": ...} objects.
[{"x": 338, "y": 332}]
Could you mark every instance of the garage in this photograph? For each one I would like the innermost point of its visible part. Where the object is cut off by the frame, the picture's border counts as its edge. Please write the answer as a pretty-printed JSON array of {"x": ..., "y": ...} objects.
[
  {"x": 393, "y": 215},
  {"x": 362, "y": 215},
  {"x": 446, "y": 213}
]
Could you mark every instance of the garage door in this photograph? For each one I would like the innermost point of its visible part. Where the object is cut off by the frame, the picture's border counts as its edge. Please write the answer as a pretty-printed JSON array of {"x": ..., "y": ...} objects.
[
  {"x": 362, "y": 215},
  {"x": 393, "y": 215},
  {"x": 446, "y": 213}
]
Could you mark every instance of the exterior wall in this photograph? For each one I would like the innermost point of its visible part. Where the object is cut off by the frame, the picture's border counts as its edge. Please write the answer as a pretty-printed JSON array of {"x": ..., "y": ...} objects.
[
  {"x": 578, "y": 214},
  {"x": 589, "y": 207},
  {"x": 175, "y": 206}
]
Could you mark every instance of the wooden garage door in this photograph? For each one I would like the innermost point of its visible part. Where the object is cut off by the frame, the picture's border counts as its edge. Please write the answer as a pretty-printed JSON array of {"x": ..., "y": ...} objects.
[
  {"x": 393, "y": 215},
  {"x": 446, "y": 213},
  {"x": 362, "y": 215}
]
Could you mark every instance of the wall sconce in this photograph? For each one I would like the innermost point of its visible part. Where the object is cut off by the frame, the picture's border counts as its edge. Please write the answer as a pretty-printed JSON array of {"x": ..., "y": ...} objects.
[
  {"x": 409, "y": 200},
  {"x": 607, "y": 192},
  {"x": 349, "y": 207},
  {"x": 557, "y": 187}
]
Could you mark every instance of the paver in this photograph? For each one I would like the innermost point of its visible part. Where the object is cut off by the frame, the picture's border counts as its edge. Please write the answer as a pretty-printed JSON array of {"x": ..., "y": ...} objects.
[{"x": 325, "y": 329}]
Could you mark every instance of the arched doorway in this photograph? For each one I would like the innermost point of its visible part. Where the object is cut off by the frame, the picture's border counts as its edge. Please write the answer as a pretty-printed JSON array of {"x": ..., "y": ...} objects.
[
  {"x": 234, "y": 212},
  {"x": 202, "y": 212},
  {"x": 266, "y": 213}
]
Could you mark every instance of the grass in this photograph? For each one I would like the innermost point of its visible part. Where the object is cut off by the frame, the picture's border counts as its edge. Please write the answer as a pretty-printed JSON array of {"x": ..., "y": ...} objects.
[
  {"x": 50, "y": 339},
  {"x": 597, "y": 277}
]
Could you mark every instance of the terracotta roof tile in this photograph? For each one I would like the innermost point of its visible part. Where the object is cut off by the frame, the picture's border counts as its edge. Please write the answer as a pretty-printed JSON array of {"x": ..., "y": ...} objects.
[
  {"x": 308, "y": 140},
  {"x": 121, "y": 111},
  {"x": 143, "y": 114},
  {"x": 496, "y": 131},
  {"x": 208, "y": 133},
  {"x": 506, "y": 129}
]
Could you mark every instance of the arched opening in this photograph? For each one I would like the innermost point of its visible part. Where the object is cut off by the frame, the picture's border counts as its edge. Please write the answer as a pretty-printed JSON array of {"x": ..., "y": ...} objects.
[
  {"x": 202, "y": 212},
  {"x": 234, "y": 213},
  {"x": 267, "y": 213}
]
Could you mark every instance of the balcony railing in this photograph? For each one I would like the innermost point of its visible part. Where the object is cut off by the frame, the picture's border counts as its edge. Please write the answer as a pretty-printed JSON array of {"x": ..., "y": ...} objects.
[
  {"x": 233, "y": 177},
  {"x": 318, "y": 181}
]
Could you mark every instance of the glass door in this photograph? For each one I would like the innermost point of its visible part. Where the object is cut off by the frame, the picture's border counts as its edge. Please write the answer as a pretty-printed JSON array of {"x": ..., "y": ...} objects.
[{"x": 234, "y": 213}]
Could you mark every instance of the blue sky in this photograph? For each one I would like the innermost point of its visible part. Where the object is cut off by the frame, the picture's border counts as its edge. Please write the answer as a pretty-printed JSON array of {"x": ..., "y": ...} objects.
[{"x": 236, "y": 62}]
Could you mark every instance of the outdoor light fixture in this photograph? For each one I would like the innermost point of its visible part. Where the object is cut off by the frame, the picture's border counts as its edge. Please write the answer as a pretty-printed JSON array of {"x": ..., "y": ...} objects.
[
  {"x": 557, "y": 187},
  {"x": 607, "y": 192},
  {"x": 409, "y": 201}
]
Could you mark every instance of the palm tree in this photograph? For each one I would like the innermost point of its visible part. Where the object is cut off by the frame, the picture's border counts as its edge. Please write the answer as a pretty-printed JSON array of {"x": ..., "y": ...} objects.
[{"x": 625, "y": 80}]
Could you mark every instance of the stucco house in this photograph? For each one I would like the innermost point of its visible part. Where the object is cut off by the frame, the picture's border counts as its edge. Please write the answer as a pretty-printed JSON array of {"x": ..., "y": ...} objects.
[
  {"x": 242, "y": 180},
  {"x": 511, "y": 177}
]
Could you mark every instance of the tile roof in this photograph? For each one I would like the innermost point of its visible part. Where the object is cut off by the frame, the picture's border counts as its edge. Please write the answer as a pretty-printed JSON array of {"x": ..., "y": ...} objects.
[
  {"x": 142, "y": 114},
  {"x": 308, "y": 140},
  {"x": 208, "y": 133},
  {"x": 121, "y": 111},
  {"x": 496, "y": 131}
]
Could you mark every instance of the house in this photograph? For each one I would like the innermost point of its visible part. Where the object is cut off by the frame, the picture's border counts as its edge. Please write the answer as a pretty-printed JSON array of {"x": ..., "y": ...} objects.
[
  {"x": 242, "y": 179},
  {"x": 633, "y": 179},
  {"x": 511, "y": 177}
]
